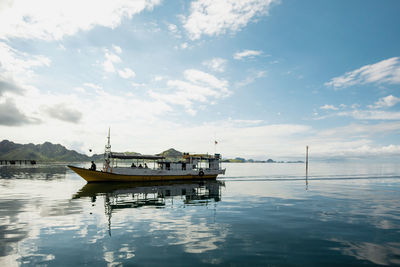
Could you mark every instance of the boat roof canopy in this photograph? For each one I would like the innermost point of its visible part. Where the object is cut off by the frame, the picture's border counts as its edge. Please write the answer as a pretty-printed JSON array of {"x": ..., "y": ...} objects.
[
  {"x": 121, "y": 155},
  {"x": 201, "y": 156}
]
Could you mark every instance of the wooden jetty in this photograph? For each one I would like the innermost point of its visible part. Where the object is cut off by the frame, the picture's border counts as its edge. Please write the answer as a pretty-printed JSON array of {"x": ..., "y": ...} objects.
[{"x": 17, "y": 161}]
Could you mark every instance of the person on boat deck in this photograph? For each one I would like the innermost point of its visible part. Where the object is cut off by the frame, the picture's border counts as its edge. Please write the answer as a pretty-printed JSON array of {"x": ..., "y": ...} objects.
[
  {"x": 133, "y": 165},
  {"x": 145, "y": 166},
  {"x": 140, "y": 166},
  {"x": 93, "y": 167}
]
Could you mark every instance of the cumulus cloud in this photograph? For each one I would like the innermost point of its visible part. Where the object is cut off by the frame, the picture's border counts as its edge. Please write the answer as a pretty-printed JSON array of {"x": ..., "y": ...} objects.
[
  {"x": 9, "y": 85},
  {"x": 216, "y": 64},
  {"x": 117, "y": 49},
  {"x": 385, "y": 71},
  {"x": 10, "y": 115},
  {"x": 198, "y": 86},
  {"x": 247, "y": 54},
  {"x": 16, "y": 63},
  {"x": 184, "y": 45},
  {"x": 172, "y": 27},
  {"x": 111, "y": 59},
  {"x": 385, "y": 102},
  {"x": 127, "y": 73},
  {"x": 209, "y": 17},
  {"x": 328, "y": 107},
  {"x": 64, "y": 113},
  {"x": 54, "y": 19}
]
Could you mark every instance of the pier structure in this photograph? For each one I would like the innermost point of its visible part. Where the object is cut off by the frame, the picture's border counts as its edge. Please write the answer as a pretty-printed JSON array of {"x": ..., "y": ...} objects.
[{"x": 17, "y": 161}]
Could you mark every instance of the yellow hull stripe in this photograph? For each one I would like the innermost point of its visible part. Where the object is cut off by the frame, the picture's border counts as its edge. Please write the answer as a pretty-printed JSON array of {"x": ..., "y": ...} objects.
[{"x": 98, "y": 176}]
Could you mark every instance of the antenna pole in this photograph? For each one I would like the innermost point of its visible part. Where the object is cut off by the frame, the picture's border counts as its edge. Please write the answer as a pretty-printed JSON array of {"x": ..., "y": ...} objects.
[{"x": 108, "y": 146}]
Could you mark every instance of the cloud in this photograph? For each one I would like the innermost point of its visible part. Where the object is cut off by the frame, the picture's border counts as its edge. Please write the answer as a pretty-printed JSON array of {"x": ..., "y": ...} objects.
[
  {"x": 251, "y": 78},
  {"x": 146, "y": 119},
  {"x": 244, "y": 123},
  {"x": 15, "y": 63},
  {"x": 173, "y": 28},
  {"x": 79, "y": 90},
  {"x": 64, "y": 113},
  {"x": 385, "y": 71},
  {"x": 385, "y": 102},
  {"x": 138, "y": 84},
  {"x": 198, "y": 87},
  {"x": 216, "y": 64},
  {"x": 247, "y": 54},
  {"x": 184, "y": 45},
  {"x": 328, "y": 107},
  {"x": 127, "y": 73},
  {"x": 353, "y": 149},
  {"x": 10, "y": 115},
  {"x": 356, "y": 129},
  {"x": 108, "y": 64},
  {"x": 92, "y": 85},
  {"x": 158, "y": 78},
  {"x": 379, "y": 254},
  {"x": 9, "y": 85},
  {"x": 117, "y": 49},
  {"x": 371, "y": 115},
  {"x": 360, "y": 114},
  {"x": 52, "y": 20},
  {"x": 213, "y": 18}
]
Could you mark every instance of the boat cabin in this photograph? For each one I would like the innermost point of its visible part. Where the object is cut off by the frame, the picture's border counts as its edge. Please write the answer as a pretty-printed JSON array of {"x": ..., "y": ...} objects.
[{"x": 190, "y": 161}]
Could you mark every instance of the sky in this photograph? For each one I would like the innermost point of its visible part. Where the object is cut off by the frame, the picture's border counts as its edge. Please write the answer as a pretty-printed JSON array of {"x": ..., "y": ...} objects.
[{"x": 262, "y": 78}]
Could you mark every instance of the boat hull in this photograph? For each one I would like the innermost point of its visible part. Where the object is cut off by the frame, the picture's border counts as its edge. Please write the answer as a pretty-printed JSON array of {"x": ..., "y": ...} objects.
[{"x": 99, "y": 176}]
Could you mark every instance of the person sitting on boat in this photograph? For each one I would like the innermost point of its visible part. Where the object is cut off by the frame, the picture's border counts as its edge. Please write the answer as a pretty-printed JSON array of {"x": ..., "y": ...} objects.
[
  {"x": 133, "y": 165},
  {"x": 140, "y": 166},
  {"x": 93, "y": 167},
  {"x": 106, "y": 165},
  {"x": 145, "y": 166}
]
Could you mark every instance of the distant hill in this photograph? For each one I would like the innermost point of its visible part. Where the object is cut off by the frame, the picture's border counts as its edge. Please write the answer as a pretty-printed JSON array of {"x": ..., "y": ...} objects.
[
  {"x": 43, "y": 152},
  {"x": 172, "y": 154}
]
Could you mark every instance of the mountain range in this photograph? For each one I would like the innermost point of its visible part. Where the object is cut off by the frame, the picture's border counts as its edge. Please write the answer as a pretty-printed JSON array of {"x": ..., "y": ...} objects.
[{"x": 48, "y": 152}]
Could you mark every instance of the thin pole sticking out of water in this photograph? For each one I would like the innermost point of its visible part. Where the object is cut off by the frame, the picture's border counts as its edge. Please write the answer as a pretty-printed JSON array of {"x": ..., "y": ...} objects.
[
  {"x": 307, "y": 167},
  {"x": 306, "y": 161}
]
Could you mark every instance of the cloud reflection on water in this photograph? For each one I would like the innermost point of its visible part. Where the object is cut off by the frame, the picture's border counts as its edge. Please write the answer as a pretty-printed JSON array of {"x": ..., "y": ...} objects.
[
  {"x": 385, "y": 254},
  {"x": 265, "y": 219}
]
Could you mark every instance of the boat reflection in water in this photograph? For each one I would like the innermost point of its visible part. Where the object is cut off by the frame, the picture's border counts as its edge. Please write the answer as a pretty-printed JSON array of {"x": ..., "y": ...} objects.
[{"x": 135, "y": 195}]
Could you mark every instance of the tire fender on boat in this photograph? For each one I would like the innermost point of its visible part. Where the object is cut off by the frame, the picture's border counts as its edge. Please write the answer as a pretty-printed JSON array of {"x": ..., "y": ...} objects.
[{"x": 201, "y": 173}]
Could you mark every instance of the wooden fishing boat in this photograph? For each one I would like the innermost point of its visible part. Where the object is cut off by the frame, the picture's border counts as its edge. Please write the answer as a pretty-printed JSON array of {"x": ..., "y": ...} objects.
[{"x": 192, "y": 166}]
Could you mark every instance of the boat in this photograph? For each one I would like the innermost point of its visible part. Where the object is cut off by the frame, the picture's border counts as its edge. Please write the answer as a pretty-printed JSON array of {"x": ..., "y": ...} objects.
[{"x": 121, "y": 167}]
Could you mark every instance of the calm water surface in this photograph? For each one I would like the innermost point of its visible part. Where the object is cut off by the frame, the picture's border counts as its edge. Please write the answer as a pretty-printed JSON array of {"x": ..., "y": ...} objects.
[{"x": 257, "y": 214}]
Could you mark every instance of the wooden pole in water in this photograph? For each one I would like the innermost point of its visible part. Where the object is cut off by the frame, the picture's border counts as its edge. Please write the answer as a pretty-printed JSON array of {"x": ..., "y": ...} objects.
[
  {"x": 306, "y": 167},
  {"x": 306, "y": 161}
]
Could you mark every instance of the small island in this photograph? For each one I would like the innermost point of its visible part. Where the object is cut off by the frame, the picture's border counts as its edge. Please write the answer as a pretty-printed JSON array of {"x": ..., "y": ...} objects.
[{"x": 243, "y": 160}]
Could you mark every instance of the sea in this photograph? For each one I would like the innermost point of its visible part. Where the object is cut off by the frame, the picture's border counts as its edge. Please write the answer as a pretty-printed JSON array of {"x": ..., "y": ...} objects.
[{"x": 257, "y": 214}]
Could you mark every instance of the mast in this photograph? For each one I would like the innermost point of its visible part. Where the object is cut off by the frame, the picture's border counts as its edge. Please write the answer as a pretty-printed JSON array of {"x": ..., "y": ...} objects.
[
  {"x": 108, "y": 146},
  {"x": 107, "y": 152}
]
